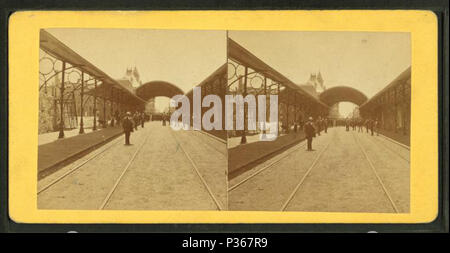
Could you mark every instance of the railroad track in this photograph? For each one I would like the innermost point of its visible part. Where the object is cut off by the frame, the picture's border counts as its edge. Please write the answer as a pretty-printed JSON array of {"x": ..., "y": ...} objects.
[
  {"x": 271, "y": 164},
  {"x": 300, "y": 183},
  {"x": 376, "y": 174},
  {"x": 108, "y": 197},
  {"x": 194, "y": 166},
  {"x": 201, "y": 133},
  {"x": 113, "y": 189},
  {"x": 299, "y": 146},
  {"x": 76, "y": 167}
]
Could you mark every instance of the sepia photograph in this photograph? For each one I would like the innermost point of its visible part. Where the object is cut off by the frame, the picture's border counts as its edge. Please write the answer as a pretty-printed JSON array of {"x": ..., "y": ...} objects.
[
  {"x": 341, "y": 141},
  {"x": 106, "y": 98}
]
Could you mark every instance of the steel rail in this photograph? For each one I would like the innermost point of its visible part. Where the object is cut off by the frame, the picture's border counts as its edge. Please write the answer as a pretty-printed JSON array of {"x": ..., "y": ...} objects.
[
  {"x": 300, "y": 145},
  {"x": 210, "y": 145},
  {"x": 291, "y": 196},
  {"x": 76, "y": 168},
  {"x": 113, "y": 189},
  {"x": 219, "y": 206},
  {"x": 379, "y": 142},
  {"x": 376, "y": 174}
]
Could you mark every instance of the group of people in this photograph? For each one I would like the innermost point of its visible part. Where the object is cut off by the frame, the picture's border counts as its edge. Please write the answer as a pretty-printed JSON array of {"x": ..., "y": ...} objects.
[
  {"x": 130, "y": 122},
  {"x": 313, "y": 128},
  {"x": 369, "y": 124}
]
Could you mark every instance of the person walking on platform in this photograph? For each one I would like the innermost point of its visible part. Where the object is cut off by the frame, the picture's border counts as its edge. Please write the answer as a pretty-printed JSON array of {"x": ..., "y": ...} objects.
[
  {"x": 142, "y": 119},
  {"x": 325, "y": 124},
  {"x": 310, "y": 132},
  {"x": 127, "y": 125},
  {"x": 376, "y": 126},
  {"x": 347, "y": 125},
  {"x": 360, "y": 123},
  {"x": 367, "y": 125}
]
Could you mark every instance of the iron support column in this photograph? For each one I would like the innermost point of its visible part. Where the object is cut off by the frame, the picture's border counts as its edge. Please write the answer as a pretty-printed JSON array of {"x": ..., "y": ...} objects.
[
  {"x": 81, "y": 104},
  {"x": 61, "y": 121},
  {"x": 243, "y": 136},
  {"x": 94, "y": 128}
]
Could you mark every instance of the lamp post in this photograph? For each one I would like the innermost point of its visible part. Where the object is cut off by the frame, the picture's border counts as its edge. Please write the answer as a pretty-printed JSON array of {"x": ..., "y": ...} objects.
[
  {"x": 243, "y": 136},
  {"x": 95, "y": 106}
]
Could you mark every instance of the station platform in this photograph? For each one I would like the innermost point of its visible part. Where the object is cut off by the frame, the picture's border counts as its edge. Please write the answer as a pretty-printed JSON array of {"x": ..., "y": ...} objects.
[
  {"x": 55, "y": 154},
  {"x": 246, "y": 156},
  {"x": 399, "y": 137}
]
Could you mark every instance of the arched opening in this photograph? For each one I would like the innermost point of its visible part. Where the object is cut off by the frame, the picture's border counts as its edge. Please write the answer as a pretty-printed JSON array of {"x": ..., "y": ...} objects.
[
  {"x": 344, "y": 103},
  {"x": 158, "y": 94},
  {"x": 338, "y": 94}
]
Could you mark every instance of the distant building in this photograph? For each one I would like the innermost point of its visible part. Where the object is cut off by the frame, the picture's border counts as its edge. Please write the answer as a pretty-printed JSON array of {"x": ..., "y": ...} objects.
[
  {"x": 132, "y": 75},
  {"x": 132, "y": 81},
  {"x": 315, "y": 85},
  {"x": 355, "y": 113}
]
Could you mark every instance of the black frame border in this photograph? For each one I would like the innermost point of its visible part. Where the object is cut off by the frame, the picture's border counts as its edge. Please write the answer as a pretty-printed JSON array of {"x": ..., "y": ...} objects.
[{"x": 439, "y": 7}]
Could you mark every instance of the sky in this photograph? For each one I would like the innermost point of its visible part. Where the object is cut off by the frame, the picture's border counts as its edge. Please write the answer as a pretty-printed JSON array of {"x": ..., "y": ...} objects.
[
  {"x": 367, "y": 61},
  {"x": 181, "y": 57}
]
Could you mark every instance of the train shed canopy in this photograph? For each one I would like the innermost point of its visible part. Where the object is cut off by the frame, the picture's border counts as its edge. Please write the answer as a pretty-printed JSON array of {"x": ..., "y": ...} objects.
[
  {"x": 59, "y": 50},
  {"x": 246, "y": 58},
  {"x": 338, "y": 94}
]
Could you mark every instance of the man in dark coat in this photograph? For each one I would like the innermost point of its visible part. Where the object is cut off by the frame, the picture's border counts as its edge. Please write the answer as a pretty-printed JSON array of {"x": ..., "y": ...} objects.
[
  {"x": 371, "y": 125},
  {"x": 310, "y": 132},
  {"x": 376, "y": 125},
  {"x": 127, "y": 124}
]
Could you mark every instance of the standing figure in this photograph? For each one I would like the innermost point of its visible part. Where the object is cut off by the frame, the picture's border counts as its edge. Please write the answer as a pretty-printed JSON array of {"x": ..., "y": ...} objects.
[
  {"x": 136, "y": 120},
  {"x": 142, "y": 119},
  {"x": 371, "y": 125},
  {"x": 325, "y": 124},
  {"x": 346, "y": 125},
  {"x": 310, "y": 132},
  {"x": 318, "y": 126},
  {"x": 117, "y": 116},
  {"x": 376, "y": 125},
  {"x": 127, "y": 125}
]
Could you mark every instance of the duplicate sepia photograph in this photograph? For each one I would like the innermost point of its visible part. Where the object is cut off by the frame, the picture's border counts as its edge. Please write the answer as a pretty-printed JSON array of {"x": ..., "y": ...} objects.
[
  {"x": 343, "y": 129},
  {"x": 105, "y": 134}
]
